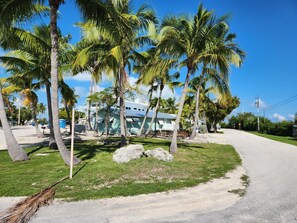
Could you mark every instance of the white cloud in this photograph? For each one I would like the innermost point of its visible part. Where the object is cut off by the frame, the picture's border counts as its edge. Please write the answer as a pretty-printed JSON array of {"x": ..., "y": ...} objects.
[
  {"x": 278, "y": 117},
  {"x": 84, "y": 76},
  {"x": 81, "y": 91},
  {"x": 291, "y": 116}
]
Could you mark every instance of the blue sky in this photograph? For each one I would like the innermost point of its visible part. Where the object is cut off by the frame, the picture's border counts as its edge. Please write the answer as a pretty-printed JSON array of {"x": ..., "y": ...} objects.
[{"x": 265, "y": 29}]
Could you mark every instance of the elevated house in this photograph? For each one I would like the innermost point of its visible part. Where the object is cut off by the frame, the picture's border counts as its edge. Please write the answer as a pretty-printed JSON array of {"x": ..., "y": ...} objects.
[{"x": 135, "y": 113}]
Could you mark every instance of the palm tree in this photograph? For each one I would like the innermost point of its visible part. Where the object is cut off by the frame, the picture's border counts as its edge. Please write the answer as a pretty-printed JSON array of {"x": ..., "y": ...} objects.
[
  {"x": 152, "y": 88},
  {"x": 218, "y": 84},
  {"x": 31, "y": 100},
  {"x": 34, "y": 59},
  {"x": 13, "y": 12},
  {"x": 99, "y": 11},
  {"x": 15, "y": 152},
  {"x": 95, "y": 98},
  {"x": 155, "y": 71},
  {"x": 68, "y": 99},
  {"x": 107, "y": 100},
  {"x": 203, "y": 38},
  {"x": 26, "y": 88},
  {"x": 170, "y": 106},
  {"x": 123, "y": 37}
]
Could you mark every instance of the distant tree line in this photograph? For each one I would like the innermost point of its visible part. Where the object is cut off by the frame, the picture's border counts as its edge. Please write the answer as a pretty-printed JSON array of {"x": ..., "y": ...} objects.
[{"x": 248, "y": 121}]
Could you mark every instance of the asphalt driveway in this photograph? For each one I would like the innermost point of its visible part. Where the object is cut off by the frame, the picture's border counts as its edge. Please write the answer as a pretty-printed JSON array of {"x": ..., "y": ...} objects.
[{"x": 272, "y": 194}]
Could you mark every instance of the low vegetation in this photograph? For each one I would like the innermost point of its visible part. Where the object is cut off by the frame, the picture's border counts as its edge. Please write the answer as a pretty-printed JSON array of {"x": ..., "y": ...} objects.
[
  {"x": 285, "y": 139},
  {"x": 245, "y": 182},
  {"x": 99, "y": 177}
]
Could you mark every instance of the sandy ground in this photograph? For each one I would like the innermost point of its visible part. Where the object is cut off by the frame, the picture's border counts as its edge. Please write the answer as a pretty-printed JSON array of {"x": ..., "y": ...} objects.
[
  {"x": 26, "y": 136},
  {"x": 218, "y": 138}
]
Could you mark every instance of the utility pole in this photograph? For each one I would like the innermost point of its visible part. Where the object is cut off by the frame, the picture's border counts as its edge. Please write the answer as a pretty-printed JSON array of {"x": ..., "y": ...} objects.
[{"x": 258, "y": 107}]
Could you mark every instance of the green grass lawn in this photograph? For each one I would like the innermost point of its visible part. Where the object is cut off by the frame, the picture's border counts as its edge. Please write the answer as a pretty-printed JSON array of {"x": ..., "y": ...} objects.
[
  {"x": 285, "y": 139},
  {"x": 99, "y": 177}
]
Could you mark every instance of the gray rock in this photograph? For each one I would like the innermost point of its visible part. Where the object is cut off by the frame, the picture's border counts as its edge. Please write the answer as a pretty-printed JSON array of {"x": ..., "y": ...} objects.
[
  {"x": 160, "y": 154},
  {"x": 127, "y": 153}
]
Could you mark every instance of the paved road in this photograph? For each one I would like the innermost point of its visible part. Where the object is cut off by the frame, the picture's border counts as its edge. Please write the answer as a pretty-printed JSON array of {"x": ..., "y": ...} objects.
[{"x": 272, "y": 194}]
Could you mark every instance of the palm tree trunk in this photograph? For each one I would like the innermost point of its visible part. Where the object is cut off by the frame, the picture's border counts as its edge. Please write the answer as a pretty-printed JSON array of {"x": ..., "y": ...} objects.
[
  {"x": 96, "y": 121},
  {"x": 155, "y": 111},
  {"x": 173, "y": 145},
  {"x": 89, "y": 106},
  {"x": 122, "y": 108},
  {"x": 52, "y": 141},
  {"x": 65, "y": 153},
  {"x": 15, "y": 152},
  {"x": 68, "y": 116},
  {"x": 193, "y": 135},
  {"x": 106, "y": 124},
  {"x": 146, "y": 112},
  {"x": 38, "y": 132}
]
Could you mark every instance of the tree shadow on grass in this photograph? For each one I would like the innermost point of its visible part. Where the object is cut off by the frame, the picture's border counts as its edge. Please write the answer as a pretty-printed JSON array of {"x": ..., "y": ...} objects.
[
  {"x": 83, "y": 166},
  {"x": 88, "y": 151},
  {"x": 155, "y": 142},
  {"x": 190, "y": 146},
  {"x": 35, "y": 150}
]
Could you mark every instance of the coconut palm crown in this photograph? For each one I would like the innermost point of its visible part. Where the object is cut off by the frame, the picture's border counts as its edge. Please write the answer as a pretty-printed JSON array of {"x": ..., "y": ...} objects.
[{"x": 202, "y": 39}]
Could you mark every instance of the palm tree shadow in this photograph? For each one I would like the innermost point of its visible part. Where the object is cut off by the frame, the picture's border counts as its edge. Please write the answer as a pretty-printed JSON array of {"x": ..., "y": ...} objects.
[
  {"x": 35, "y": 150},
  {"x": 83, "y": 166},
  {"x": 88, "y": 151}
]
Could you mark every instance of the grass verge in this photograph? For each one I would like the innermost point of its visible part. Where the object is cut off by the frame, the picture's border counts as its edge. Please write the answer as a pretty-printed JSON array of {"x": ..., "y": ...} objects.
[
  {"x": 285, "y": 139},
  {"x": 99, "y": 177}
]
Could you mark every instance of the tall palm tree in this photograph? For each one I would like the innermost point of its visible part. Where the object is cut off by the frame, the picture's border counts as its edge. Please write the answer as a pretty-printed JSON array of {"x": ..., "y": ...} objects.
[
  {"x": 107, "y": 100},
  {"x": 152, "y": 88},
  {"x": 31, "y": 101},
  {"x": 26, "y": 89},
  {"x": 95, "y": 98},
  {"x": 156, "y": 71},
  {"x": 217, "y": 84},
  {"x": 32, "y": 54},
  {"x": 68, "y": 99},
  {"x": 15, "y": 152},
  {"x": 7, "y": 18},
  {"x": 202, "y": 39},
  {"x": 123, "y": 37},
  {"x": 98, "y": 11}
]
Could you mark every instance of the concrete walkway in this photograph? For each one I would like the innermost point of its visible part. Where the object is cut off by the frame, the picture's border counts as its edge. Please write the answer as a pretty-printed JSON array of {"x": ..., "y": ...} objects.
[{"x": 25, "y": 136}]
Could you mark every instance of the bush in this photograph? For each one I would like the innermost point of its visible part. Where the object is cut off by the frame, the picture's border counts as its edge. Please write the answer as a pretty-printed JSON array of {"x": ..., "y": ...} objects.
[{"x": 248, "y": 122}]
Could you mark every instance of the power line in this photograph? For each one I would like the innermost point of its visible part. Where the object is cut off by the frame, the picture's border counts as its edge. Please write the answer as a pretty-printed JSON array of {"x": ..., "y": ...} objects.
[{"x": 282, "y": 103}]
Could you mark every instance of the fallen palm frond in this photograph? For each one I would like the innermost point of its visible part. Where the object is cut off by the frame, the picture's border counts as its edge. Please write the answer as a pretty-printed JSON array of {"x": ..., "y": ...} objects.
[{"x": 23, "y": 211}]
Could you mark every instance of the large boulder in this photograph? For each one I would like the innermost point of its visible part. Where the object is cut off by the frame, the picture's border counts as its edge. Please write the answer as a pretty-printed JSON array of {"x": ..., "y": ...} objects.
[
  {"x": 160, "y": 154},
  {"x": 127, "y": 153}
]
